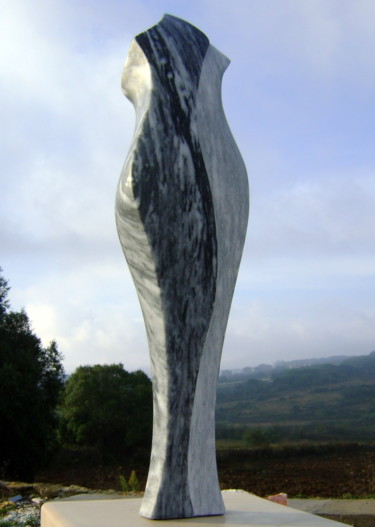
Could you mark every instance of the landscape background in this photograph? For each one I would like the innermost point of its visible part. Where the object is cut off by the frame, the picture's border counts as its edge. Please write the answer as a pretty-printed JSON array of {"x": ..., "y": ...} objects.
[
  {"x": 307, "y": 431},
  {"x": 300, "y": 427},
  {"x": 299, "y": 97},
  {"x": 329, "y": 399}
]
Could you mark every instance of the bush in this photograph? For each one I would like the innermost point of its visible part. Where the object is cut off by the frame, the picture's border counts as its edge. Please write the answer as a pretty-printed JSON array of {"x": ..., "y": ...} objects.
[
  {"x": 133, "y": 482},
  {"x": 123, "y": 483},
  {"x": 129, "y": 486},
  {"x": 107, "y": 408}
]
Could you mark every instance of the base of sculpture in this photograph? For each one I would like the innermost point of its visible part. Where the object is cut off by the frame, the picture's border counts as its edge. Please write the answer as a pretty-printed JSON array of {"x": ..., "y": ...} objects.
[{"x": 242, "y": 509}]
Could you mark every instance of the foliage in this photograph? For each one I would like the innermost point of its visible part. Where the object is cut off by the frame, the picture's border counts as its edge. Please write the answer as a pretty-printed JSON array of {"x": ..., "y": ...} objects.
[
  {"x": 250, "y": 389},
  {"x": 133, "y": 482},
  {"x": 34, "y": 521},
  {"x": 132, "y": 485},
  {"x": 108, "y": 408},
  {"x": 123, "y": 483},
  {"x": 5, "y": 508},
  {"x": 312, "y": 376},
  {"x": 7, "y": 523},
  {"x": 4, "y": 289},
  {"x": 31, "y": 378}
]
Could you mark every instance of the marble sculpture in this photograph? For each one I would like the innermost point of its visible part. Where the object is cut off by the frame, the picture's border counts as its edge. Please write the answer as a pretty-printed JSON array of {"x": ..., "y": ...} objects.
[{"x": 181, "y": 214}]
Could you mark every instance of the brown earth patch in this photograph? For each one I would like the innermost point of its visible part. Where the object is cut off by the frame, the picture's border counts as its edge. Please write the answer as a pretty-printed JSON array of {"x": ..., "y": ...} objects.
[{"x": 327, "y": 471}]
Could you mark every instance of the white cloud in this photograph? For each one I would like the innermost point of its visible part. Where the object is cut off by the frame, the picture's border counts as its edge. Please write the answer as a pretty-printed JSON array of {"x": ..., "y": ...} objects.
[
  {"x": 273, "y": 329},
  {"x": 93, "y": 315},
  {"x": 316, "y": 216},
  {"x": 69, "y": 129}
]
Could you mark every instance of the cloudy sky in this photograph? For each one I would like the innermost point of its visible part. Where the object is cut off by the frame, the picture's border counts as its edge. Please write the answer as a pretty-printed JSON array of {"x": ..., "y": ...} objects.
[{"x": 300, "y": 98}]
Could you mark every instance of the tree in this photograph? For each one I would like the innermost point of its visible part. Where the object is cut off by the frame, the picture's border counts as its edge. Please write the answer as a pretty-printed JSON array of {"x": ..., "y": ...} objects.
[
  {"x": 4, "y": 303},
  {"x": 108, "y": 408},
  {"x": 31, "y": 378}
]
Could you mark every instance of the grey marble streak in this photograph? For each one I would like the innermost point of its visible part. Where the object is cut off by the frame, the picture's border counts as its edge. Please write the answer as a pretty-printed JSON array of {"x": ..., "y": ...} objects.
[{"x": 182, "y": 187}]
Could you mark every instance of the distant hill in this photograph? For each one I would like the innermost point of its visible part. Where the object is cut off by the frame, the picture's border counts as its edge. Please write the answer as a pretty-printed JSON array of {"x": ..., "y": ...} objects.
[
  {"x": 266, "y": 370},
  {"x": 322, "y": 400}
]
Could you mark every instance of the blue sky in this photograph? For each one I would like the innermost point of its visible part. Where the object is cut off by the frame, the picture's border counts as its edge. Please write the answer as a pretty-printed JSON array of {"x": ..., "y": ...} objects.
[{"x": 299, "y": 96}]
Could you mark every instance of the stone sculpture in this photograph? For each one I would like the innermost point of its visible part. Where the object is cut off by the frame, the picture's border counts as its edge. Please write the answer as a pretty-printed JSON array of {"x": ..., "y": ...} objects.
[{"x": 181, "y": 214}]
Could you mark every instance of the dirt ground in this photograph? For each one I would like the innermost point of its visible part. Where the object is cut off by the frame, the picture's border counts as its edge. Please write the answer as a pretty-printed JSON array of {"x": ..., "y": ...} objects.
[{"x": 327, "y": 472}]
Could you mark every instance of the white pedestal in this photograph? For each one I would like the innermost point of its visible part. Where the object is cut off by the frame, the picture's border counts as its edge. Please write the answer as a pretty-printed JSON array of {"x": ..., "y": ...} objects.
[{"x": 242, "y": 508}]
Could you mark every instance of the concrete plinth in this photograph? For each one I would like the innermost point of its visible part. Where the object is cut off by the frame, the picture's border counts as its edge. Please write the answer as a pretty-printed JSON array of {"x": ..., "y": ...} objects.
[{"x": 242, "y": 508}]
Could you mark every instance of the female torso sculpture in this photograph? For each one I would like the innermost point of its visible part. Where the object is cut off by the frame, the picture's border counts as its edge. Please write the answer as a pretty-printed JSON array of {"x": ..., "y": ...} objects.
[{"x": 181, "y": 213}]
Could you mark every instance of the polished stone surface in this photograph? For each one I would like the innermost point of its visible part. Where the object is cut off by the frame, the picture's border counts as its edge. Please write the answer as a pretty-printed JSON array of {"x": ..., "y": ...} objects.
[
  {"x": 181, "y": 214},
  {"x": 242, "y": 509}
]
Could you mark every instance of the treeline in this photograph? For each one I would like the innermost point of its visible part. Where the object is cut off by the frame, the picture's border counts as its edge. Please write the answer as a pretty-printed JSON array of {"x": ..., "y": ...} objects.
[
  {"x": 101, "y": 408},
  {"x": 359, "y": 369},
  {"x": 267, "y": 371}
]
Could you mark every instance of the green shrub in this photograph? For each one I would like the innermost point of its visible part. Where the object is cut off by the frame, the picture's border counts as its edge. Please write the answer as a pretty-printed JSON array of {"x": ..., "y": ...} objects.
[
  {"x": 133, "y": 482},
  {"x": 132, "y": 485},
  {"x": 93, "y": 396},
  {"x": 123, "y": 483}
]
